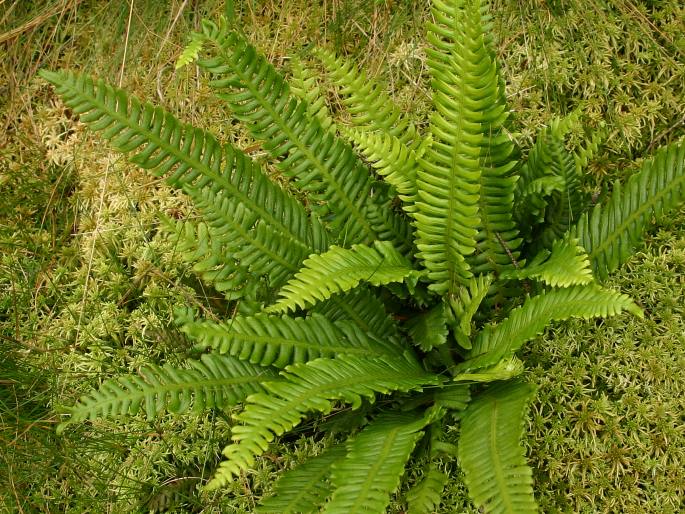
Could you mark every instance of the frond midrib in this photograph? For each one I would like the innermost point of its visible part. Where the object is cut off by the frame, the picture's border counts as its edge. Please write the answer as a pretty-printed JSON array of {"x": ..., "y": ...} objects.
[
  {"x": 497, "y": 463},
  {"x": 330, "y": 180}
]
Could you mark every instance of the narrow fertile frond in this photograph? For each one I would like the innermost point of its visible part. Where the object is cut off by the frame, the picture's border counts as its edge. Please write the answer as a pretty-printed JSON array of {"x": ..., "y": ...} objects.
[
  {"x": 609, "y": 232},
  {"x": 339, "y": 270},
  {"x": 279, "y": 341},
  {"x": 321, "y": 164},
  {"x": 303, "y": 489},
  {"x": 566, "y": 265},
  {"x": 495, "y": 468},
  {"x": 367, "y": 101},
  {"x": 530, "y": 319},
  {"x": 313, "y": 387},
  {"x": 304, "y": 85},
  {"x": 429, "y": 329},
  {"x": 425, "y": 496},
  {"x": 371, "y": 471},
  {"x": 396, "y": 163},
  {"x": 214, "y": 381},
  {"x": 465, "y": 187}
]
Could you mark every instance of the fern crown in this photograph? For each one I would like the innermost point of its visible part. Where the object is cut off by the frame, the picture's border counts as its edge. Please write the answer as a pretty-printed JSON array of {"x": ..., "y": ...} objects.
[{"x": 419, "y": 265}]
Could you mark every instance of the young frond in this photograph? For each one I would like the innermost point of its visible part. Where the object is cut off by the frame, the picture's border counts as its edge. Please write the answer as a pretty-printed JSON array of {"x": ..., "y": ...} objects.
[
  {"x": 190, "y": 52},
  {"x": 464, "y": 305},
  {"x": 364, "y": 480},
  {"x": 303, "y": 489},
  {"x": 339, "y": 270},
  {"x": 279, "y": 341},
  {"x": 312, "y": 387},
  {"x": 530, "y": 319},
  {"x": 426, "y": 495},
  {"x": 609, "y": 232},
  {"x": 495, "y": 469},
  {"x": 567, "y": 264},
  {"x": 214, "y": 381},
  {"x": 366, "y": 100},
  {"x": 429, "y": 329}
]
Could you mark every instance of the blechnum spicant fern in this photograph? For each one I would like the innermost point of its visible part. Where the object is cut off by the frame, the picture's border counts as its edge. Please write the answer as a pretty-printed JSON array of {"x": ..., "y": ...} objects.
[{"x": 418, "y": 267}]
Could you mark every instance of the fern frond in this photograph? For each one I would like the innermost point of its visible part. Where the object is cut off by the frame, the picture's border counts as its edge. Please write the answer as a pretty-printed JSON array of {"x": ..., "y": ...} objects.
[
  {"x": 505, "y": 369},
  {"x": 584, "y": 154},
  {"x": 530, "y": 319},
  {"x": 396, "y": 163},
  {"x": 429, "y": 329},
  {"x": 366, "y": 100},
  {"x": 566, "y": 265},
  {"x": 425, "y": 496},
  {"x": 339, "y": 270},
  {"x": 453, "y": 397},
  {"x": 279, "y": 341},
  {"x": 321, "y": 164},
  {"x": 465, "y": 185},
  {"x": 312, "y": 387},
  {"x": 495, "y": 469},
  {"x": 464, "y": 305},
  {"x": 191, "y": 51},
  {"x": 305, "y": 85},
  {"x": 213, "y": 381},
  {"x": 610, "y": 232},
  {"x": 303, "y": 489},
  {"x": 362, "y": 307},
  {"x": 371, "y": 471}
]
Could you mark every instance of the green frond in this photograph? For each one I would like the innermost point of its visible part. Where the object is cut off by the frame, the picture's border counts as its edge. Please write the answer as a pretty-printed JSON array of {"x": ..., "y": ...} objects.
[
  {"x": 339, "y": 270},
  {"x": 303, "y": 489},
  {"x": 216, "y": 268},
  {"x": 367, "y": 101},
  {"x": 429, "y": 329},
  {"x": 362, "y": 307},
  {"x": 530, "y": 319},
  {"x": 496, "y": 473},
  {"x": 213, "y": 381},
  {"x": 548, "y": 195},
  {"x": 396, "y": 163},
  {"x": 312, "y": 387},
  {"x": 371, "y": 471},
  {"x": 566, "y": 265},
  {"x": 465, "y": 184},
  {"x": 191, "y": 51},
  {"x": 324, "y": 166},
  {"x": 305, "y": 85},
  {"x": 453, "y": 397},
  {"x": 505, "y": 369},
  {"x": 426, "y": 495},
  {"x": 279, "y": 341},
  {"x": 584, "y": 154},
  {"x": 464, "y": 304},
  {"x": 610, "y": 232}
]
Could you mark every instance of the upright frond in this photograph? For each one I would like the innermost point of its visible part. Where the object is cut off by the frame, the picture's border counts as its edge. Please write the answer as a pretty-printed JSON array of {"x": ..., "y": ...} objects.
[
  {"x": 364, "y": 480},
  {"x": 609, "y": 232},
  {"x": 279, "y": 341},
  {"x": 312, "y": 387},
  {"x": 464, "y": 304},
  {"x": 490, "y": 453},
  {"x": 339, "y": 270},
  {"x": 530, "y": 319},
  {"x": 305, "y": 85},
  {"x": 214, "y": 381}
]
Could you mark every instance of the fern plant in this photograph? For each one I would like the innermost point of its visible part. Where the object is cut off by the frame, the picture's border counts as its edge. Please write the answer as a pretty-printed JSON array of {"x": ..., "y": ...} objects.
[{"x": 394, "y": 296}]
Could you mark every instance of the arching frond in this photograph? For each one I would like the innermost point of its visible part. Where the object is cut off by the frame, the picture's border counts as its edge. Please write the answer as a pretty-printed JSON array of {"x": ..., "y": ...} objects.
[
  {"x": 321, "y": 164},
  {"x": 312, "y": 387},
  {"x": 610, "y": 232},
  {"x": 366, "y": 100},
  {"x": 339, "y": 270},
  {"x": 303, "y": 489},
  {"x": 429, "y": 329},
  {"x": 214, "y": 381},
  {"x": 465, "y": 186},
  {"x": 566, "y": 265},
  {"x": 279, "y": 341},
  {"x": 371, "y": 471},
  {"x": 426, "y": 495},
  {"x": 530, "y": 319},
  {"x": 495, "y": 469},
  {"x": 305, "y": 85}
]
